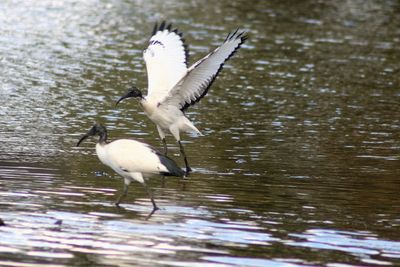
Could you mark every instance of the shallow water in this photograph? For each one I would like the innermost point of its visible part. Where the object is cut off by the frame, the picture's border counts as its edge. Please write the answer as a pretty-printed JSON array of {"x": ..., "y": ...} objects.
[{"x": 299, "y": 164}]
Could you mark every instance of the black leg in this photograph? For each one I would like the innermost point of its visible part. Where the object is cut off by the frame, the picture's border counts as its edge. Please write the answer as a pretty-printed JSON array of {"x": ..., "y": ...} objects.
[
  {"x": 165, "y": 153},
  {"x": 123, "y": 194},
  {"x": 163, "y": 181},
  {"x": 188, "y": 169},
  {"x": 165, "y": 146},
  {"x": 151, "y": 197},
  {"x": 150, "y": 214}
]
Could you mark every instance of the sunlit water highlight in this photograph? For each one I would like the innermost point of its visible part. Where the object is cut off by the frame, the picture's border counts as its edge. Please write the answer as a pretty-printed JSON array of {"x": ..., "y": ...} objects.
[{"x": 298, "y": 165}]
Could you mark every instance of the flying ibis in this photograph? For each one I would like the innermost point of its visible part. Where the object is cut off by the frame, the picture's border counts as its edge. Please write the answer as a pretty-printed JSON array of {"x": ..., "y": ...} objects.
[
  {"x": 131, "y": 159},
  {"x": 172, "y": 85}
]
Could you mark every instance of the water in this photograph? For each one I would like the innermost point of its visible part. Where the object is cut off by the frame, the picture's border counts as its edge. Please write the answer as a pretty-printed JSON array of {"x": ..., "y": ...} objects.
[{"x": 298, "y": 165}]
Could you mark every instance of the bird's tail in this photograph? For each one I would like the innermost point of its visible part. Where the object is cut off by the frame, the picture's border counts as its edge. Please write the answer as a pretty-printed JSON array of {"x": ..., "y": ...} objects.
[
  {"x": 190, "y": 128},
  {"x": 172, "y": 167}
]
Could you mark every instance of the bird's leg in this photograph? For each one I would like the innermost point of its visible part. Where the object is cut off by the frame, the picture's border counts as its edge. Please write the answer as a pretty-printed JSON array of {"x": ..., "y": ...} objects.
[
  {"x": 150, "y": 214},
  {"x": 165, "y": 146},
  {"x": 163, "y": 181},
  {"x": 188, "y": 169},
  {"x": 165, "y": 153},
  {"x": 150, "y": 194},
  {"x": 123, "y": 194},
  {"x": 162, "y": 136}
]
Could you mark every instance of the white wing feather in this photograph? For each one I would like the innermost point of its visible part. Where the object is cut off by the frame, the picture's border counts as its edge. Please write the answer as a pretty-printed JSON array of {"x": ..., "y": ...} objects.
[
  {"x": 199, "y": 77},
  {"x": 165, "y": 59}
]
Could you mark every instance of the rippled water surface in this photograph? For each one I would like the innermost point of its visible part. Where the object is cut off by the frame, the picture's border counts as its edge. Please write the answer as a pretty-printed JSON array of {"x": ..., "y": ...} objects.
[{"x": 299, "y": 164}]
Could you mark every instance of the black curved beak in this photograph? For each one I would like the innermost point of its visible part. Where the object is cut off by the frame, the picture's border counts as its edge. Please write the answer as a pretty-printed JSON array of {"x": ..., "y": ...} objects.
[
  {"x": 127, "y": 95},
  {"x": 82, "y": 138}
]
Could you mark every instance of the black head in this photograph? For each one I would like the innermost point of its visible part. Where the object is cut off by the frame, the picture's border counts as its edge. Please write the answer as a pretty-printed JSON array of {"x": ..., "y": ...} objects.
[
  {"x": 132, "y": 92},
  {"x": 97, "y": 129}
]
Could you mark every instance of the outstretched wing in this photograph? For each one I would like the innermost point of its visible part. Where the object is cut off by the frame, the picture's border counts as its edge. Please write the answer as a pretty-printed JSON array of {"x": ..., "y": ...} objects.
[
  {"x": 166, "y": 60},
  {"x": 199, "y": 77}
]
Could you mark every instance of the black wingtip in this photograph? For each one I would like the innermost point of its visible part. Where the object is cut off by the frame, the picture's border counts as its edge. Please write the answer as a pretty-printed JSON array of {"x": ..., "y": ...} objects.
[
  {"x": 227, "y": 37},
  {"x": 162, "y": 26},
  {"x": 242, "y": 35},
  {"x": 155, "y": 28},
  {"x": 234, "y": 33},
  {"x": 168, "y": 26}
]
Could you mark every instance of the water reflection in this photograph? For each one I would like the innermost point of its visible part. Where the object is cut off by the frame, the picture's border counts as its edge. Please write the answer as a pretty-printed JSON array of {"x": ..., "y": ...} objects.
[
  {"x": 42, "y": 233},
  {"x": 298, "y": 165},
  {"x": 360, "y": 244}
]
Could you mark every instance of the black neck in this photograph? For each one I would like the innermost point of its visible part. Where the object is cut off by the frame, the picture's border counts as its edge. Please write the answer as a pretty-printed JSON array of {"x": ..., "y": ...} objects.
[
  {"x": 102, "y": 135},
  {"x": 140, "y": 95}
]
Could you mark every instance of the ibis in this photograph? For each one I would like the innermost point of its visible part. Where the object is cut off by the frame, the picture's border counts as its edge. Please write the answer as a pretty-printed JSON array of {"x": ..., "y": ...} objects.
[
  {"x": 173, "y": 86},
  {"x": 131, "y": 159}
]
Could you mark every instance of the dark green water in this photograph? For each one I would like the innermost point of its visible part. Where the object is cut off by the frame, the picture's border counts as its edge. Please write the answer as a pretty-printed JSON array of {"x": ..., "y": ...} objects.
[{"x": 299, "y": 164}]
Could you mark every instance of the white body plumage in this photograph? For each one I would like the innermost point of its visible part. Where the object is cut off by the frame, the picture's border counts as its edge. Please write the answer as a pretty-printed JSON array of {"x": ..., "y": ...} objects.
[
  {"x": 171, "y": 119},
  {"x": 131, "y": 159}
]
